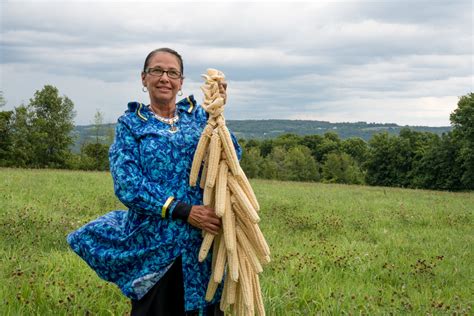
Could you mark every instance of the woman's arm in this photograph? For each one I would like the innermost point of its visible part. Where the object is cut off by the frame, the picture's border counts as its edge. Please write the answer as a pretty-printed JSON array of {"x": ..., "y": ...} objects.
[{"x": 131, "y": 186}]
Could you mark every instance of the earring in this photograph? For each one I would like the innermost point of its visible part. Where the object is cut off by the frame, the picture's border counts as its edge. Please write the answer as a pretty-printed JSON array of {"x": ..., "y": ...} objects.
[
  {"x": 144, "y": 89},
  {"x": 180, "y": 93}
]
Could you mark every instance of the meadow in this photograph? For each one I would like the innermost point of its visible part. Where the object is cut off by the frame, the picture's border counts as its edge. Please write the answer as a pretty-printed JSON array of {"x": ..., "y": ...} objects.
[{"x": 336, "y": 249}]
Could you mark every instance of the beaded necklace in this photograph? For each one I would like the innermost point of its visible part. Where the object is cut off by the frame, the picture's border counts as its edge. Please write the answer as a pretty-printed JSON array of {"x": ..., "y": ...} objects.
[{"x": 169, "y": 120}]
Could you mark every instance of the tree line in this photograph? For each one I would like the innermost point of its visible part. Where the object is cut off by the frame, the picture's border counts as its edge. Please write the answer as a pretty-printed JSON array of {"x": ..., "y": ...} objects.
[{"x": 38, "y": 135}]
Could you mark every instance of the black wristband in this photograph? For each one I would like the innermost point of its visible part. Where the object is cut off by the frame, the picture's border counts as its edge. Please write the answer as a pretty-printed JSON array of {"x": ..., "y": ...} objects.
[{"x": 181, "y": 211}]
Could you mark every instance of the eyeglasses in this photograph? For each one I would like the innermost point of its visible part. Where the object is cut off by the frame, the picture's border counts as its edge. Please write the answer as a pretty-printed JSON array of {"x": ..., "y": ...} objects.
[{"x": 172, "y": 73}]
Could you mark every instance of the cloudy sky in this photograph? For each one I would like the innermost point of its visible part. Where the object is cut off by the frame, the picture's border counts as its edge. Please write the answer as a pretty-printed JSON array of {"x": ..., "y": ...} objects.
[{"x": 404, "y": 61}]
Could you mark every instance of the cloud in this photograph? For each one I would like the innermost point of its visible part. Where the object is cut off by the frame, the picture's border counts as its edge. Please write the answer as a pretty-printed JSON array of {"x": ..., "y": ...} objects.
[{"x": 387, "y": 61}]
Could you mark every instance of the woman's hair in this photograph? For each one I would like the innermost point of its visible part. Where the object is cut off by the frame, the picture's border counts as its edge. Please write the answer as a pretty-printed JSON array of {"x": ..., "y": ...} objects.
[{"x": 164, "y": 50}]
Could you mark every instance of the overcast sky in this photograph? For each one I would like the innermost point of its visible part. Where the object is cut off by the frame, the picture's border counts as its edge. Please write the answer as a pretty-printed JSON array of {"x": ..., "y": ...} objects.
[{"x": 403, "y": 62}]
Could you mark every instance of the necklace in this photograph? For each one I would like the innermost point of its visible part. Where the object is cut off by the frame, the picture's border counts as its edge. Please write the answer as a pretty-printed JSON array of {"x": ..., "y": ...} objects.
[{"x": 169, "y": 120}]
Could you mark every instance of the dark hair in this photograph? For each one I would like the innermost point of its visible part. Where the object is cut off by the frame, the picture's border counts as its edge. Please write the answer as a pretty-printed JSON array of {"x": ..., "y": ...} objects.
[{"x": 164, "y": 50}]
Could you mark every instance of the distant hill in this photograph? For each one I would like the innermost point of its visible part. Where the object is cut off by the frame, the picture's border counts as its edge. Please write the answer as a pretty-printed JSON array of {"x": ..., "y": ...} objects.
[
  {"x": 261, "y": 129},
  {"x": 272, "y": 128}
]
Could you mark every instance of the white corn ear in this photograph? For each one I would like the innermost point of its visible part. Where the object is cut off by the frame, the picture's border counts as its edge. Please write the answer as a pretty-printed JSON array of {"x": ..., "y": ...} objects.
[
  {"x": 229, "y": 149},
  {"x": 244, "y": 279},
  {"x": 214, "y": 157},
  {"x": 218, "y": 271},
  {"x": 215, "y": 249},
  {"x": 221, "y": 187},
  {"x": 249, "y": 251},
  {"x": 255, "y": 237},
  {"x": 257, "y": 296},
  {"x": 228, "y": 223},
  {"x": 231, "y": 286},
  {"x": 211, "y": 289},
  {"x": 233, "y": 264},
  {"x": 242, "y": 199},
  {"x": 247, "y": 188},
  {"x": 199, "y": 154},
  {"x": 205, "y": 246},
  {"x": 202, "y": 182}
]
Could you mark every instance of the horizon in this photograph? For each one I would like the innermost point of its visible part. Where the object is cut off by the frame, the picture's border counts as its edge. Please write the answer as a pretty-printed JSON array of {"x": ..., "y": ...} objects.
[{"x": 270, "y": 119}]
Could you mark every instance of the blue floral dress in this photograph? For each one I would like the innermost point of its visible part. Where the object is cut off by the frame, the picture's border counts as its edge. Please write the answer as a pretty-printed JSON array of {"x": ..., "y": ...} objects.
[{"x": 150, "y": 167}]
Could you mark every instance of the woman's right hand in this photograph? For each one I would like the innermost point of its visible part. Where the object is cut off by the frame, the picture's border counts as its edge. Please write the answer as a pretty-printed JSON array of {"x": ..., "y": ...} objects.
[{"x": 204, "y": 217}]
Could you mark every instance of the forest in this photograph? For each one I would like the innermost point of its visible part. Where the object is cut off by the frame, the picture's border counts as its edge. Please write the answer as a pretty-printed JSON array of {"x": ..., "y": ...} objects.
[{"x": 40, "y": 135}]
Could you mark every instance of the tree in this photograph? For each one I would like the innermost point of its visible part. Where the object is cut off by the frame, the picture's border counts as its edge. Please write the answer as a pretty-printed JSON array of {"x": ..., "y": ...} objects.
[
  {"x": 342, "y": 168},
  {"x": 388, "y": 160},
  {"x": 251, "y": 162},
  {"x": 357, "y": 148},
  {"x": 329, "y": 144},
  {"x": 440, "y": 167},
  {"x": 98, "y": 125},
  {"x": 273, "y": 166},
  {"x": 2, "y": 99},
  {"x": 52, "y": 123},
  {"x": 266, "y": 147},
  {"x": 299, "y": 165},
  {"x": 22, "y": 140},
  {"x": 462, "y": 120},
  {"x": 313, "y": 142},
  {"x": 94, "y": 156},
  {"x": 6, "y": 138}
]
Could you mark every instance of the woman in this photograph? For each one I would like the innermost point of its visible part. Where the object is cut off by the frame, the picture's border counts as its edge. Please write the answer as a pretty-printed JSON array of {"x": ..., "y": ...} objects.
[{"x": 151, "y": 250}]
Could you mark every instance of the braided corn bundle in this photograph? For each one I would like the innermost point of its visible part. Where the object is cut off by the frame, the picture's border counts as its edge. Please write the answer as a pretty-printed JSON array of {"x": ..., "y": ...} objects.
[{"x": 239, "y": 250}]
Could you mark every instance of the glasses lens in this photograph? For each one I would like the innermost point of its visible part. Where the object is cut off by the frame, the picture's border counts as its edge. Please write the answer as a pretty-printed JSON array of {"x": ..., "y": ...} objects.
[
  {"x": 155, "y": 71},
  {"x": 174, "y": 74}
]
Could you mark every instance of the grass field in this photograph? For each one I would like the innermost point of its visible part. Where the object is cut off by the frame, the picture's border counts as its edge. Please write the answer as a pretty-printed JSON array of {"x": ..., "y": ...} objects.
[{"x": 335, "y": 249}]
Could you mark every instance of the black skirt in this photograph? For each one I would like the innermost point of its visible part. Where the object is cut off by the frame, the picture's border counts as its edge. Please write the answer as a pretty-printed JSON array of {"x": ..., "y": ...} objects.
[{"x": 166, "y": 297}]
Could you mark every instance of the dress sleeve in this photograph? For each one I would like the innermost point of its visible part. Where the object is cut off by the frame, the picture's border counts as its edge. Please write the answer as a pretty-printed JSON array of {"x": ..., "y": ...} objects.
[
  {"x": 238, "y": 149},
  {"x": 131, "y": 185}
]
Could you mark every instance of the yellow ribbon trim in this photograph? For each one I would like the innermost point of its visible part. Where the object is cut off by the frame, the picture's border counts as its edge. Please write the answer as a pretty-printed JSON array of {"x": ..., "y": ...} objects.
[
  {"x": 191, "y": 105},
  {"x": 165, "y": 206},
  {"x": 139, "y": 114}
]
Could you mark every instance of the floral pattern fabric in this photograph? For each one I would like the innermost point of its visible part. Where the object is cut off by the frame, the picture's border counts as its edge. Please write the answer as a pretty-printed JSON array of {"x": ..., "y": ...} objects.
[{"x": 134, "y": 248}]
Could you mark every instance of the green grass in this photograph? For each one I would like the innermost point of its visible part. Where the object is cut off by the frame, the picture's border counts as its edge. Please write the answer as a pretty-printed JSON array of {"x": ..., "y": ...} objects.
[{"x": 336, "y": 249}]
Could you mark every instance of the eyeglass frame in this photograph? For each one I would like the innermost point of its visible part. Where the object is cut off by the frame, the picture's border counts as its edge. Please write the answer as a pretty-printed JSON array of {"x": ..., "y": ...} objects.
[{"x": 147, "y": 71}]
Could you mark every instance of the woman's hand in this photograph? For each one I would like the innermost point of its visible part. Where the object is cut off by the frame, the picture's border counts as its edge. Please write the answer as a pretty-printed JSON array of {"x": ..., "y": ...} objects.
[{"x": 204, "y": 217}]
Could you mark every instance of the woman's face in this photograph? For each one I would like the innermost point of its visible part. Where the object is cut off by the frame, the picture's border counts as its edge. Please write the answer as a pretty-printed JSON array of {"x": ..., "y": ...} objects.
[{"x": 162, "y": 89}]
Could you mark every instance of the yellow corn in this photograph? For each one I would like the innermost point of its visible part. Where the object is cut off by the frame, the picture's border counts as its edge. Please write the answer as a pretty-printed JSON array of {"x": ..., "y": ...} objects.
[
  {"x": 221, "y": 186},
  {"x": 214, "y": 155},
  {"x": 205, "y": 246},
  {"x": 199, "y": 154},
  {"x": 242, "y": 199}
]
